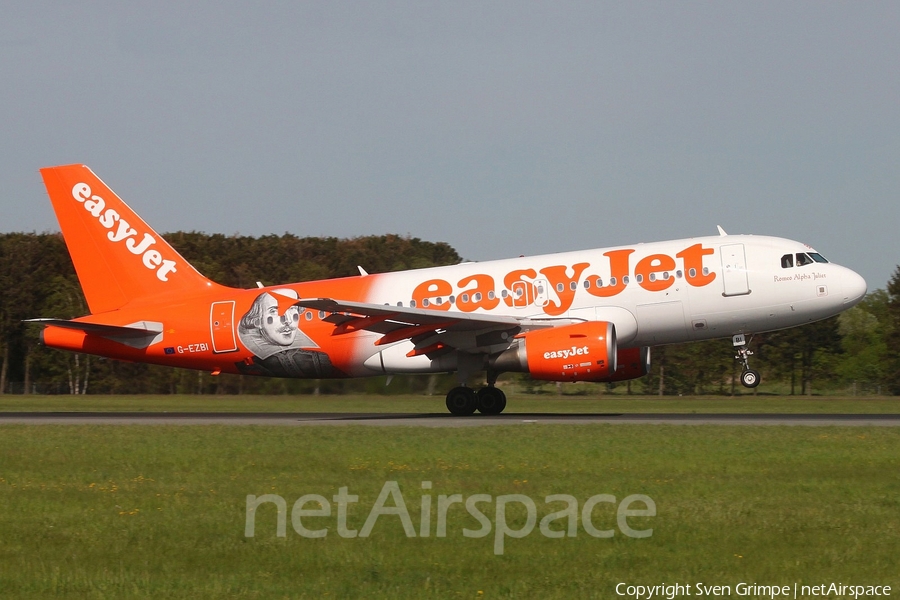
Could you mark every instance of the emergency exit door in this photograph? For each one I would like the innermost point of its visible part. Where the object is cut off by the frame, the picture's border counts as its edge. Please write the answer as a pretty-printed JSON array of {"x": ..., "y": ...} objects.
[{"x": 221, "y": 325}]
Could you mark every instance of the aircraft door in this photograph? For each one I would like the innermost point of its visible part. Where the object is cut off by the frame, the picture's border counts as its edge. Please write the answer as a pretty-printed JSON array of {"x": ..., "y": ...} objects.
[
  {"x": 541, "y": 292},
  {"x": 734, "y": 270},
  {"x": 522, "y": 293},
  {"x": 221, "y": 325}
]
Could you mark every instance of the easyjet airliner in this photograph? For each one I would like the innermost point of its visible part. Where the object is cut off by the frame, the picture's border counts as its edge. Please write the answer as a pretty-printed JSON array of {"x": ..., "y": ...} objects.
[{"x": 590, "y": 315}]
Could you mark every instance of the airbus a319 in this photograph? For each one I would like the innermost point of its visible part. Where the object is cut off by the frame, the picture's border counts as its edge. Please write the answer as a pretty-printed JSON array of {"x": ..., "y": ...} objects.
[{"x": 589, "y": 315}]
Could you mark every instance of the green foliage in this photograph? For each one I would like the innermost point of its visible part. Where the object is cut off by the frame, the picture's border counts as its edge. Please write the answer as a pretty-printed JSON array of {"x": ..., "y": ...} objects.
[
  {"x": 241, "y": 261},
  {"x": 892, "y": 333}
]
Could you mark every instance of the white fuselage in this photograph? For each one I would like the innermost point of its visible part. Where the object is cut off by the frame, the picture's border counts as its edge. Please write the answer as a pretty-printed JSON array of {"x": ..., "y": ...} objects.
[{"x": 654, "y": 293}]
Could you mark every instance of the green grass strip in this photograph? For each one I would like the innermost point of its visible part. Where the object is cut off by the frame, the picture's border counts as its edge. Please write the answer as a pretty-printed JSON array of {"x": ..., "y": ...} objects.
[
  {"x": 517, "y": 403},
  {"x": 152, "y": 512}
]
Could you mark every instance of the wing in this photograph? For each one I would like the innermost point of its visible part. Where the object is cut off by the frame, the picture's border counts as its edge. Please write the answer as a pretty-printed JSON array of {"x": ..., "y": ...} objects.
[
  {"x": 136, "y": 335},
  {"x": 433, "y": 332}
]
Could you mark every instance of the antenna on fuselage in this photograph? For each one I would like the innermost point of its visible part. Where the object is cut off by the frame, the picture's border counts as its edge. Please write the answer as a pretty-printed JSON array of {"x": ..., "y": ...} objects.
[{"x": 721, "y": 231}]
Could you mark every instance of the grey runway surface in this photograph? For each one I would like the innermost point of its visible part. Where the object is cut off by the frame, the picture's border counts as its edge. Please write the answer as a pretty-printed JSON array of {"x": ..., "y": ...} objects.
[{"x": 440, "y": 419}]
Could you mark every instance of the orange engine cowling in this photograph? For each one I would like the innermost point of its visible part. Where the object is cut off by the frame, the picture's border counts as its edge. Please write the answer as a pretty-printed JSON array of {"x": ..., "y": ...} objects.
[
  {"x": 631, "y": 363},
  {"x": 579, "y": 352}
]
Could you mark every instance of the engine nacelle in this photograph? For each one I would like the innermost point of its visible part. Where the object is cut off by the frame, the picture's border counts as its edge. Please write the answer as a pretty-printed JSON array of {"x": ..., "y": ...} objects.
[
  {"x": 631, "y": 364},
  {"x": 579, "y": 352}
]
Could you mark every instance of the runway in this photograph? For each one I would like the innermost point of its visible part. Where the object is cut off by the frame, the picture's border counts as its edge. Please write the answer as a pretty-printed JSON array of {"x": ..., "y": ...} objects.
[{"x": 441, "y": 419}]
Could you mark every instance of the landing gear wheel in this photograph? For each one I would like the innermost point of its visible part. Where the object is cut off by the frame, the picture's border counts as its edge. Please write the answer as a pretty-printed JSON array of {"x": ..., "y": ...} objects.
[
  {"x": 750, "y": 378},
  {"x": 461, "y": 401},
  {"x": 491, "y": 401}
]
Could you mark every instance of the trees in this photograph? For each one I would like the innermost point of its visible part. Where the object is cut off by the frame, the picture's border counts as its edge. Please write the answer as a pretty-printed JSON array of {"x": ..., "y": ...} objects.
[
  {"x": 32, "y": 267},
  {"x": 803, "y": 354},
  {"x": 891, "y": 333},
  {"x": 864, "y": 340}
]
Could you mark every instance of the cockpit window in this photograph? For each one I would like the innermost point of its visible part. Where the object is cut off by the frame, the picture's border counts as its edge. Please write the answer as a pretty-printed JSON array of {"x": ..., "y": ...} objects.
[
  {"x": 818, "y": 257},
  {"x": 787, "y": 261},
  {"x": 803, "y": 259}
]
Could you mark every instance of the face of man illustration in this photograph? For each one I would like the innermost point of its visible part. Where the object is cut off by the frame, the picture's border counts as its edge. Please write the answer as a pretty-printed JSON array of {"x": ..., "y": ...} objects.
[{"x": 278, "y": 329}]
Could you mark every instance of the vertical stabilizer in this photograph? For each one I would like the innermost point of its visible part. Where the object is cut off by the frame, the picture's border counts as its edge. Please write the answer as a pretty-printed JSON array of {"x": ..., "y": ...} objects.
[{"x": 117, "y": 256}]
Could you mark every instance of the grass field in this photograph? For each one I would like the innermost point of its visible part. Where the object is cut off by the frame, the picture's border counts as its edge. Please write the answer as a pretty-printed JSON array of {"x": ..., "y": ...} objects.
[
  {"x": 518, "y": 403},
  {"x": 150, "y": 512}
]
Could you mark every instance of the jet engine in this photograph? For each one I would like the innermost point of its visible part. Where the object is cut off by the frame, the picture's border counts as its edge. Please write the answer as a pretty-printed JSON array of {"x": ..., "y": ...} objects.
[
  {"x": 579, "y": 352},
  {"x": 631, "y": 363}
]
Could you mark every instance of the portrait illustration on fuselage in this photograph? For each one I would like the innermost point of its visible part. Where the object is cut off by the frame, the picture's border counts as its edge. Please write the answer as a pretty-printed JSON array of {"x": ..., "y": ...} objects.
[{"x": 279, "y": 347}]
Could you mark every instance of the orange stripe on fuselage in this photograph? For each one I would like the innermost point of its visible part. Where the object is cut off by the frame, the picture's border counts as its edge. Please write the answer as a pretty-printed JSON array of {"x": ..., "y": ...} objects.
[{"x": 187, "y": 331}]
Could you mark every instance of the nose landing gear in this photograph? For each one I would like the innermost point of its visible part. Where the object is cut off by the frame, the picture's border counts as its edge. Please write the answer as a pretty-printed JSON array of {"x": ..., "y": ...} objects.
[{"x": 749, "y": 377}]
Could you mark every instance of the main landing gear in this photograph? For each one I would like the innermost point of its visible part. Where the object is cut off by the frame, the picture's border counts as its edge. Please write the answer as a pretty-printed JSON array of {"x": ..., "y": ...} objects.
[
  {"x": 749, "y": 377},
  {"x": 463, "y": 401}
]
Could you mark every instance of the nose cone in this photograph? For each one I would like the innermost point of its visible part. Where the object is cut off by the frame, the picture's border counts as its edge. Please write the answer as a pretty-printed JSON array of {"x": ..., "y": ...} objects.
[{"x": 854, "y": 288}]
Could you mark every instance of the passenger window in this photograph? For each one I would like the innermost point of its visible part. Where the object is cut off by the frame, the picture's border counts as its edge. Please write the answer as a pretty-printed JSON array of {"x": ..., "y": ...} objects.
[
  {"x": 787, "y": 261},
  {"x": 803, "y": 259}
]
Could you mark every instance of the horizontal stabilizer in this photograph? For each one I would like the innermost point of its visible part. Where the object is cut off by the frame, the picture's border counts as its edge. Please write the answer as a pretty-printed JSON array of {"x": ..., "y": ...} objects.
[{"x": 136, "y": 335}]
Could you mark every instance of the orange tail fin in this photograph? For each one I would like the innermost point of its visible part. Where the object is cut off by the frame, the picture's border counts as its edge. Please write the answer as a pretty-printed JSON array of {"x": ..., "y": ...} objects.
[{"x": 117, "y": 256}]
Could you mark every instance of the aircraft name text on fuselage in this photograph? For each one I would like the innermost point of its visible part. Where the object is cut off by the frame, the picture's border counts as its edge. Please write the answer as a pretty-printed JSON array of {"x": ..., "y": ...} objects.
[{"x": 800, "y": 277}]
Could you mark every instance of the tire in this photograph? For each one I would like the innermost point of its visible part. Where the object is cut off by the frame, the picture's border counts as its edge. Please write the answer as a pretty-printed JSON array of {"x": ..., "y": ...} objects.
[
  {"x": 461, "y": 401},
  {"x": 750, "y": 378},
  {"x": 491, "y": 401}
]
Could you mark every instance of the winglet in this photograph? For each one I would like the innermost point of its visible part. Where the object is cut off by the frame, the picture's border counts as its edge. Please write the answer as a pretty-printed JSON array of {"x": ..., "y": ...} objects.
[{"x": 721, "y": 231}]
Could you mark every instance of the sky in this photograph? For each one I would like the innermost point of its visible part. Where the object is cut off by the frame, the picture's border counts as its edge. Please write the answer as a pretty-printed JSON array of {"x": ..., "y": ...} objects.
[{"x": 502, "y": 128}]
